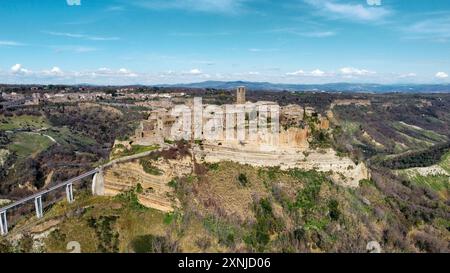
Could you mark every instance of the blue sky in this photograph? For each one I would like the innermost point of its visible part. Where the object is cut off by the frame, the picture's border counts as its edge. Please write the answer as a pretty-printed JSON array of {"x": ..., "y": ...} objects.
[{"x": 173, "y": 41}]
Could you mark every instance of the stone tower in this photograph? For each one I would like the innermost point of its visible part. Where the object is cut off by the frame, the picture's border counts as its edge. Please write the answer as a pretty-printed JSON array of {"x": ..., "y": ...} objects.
[{"x": 240, "y": 95}]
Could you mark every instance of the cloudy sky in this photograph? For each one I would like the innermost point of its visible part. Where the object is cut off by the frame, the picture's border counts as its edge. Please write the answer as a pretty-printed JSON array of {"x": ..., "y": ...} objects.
[{"x": 173, "y": 41}]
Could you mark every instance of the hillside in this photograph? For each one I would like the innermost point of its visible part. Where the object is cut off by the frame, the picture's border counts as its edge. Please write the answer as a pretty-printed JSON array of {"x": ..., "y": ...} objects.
[{"x": 238, "y": 208}]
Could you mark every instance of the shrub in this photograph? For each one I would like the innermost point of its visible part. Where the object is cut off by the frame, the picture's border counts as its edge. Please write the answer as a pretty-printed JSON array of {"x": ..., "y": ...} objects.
[
  {"x": 153, "y": 244},
  {"x": 334, "y": 211},
  {"x": 108, "y": 238},
  {"x": 26, "y": 244},
  {"x": 224, "y": 232},
  {"x": 173, "y": 183},
  {"x": 149, "y": 168},
  {"x": 5, "y": 246},
  {"x": 203, "y": 243},
  {"x": 139, "y": 188},
  {"x": 243, "y": 179},
  {"x": 266, "y": 224},
  {"x": 213, "y": 166},
  {"x": 131, "y": 200},
  {"x": 170, "y": 217}
]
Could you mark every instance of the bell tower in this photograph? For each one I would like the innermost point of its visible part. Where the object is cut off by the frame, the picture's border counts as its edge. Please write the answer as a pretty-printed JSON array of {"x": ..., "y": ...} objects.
[{"x": 240, "y": 95}]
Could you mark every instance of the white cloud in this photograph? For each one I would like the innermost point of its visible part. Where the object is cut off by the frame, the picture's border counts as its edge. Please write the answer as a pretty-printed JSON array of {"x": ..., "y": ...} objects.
[
  {"x": 358, "y": 12},
  {"x": 199, "y": 34},
  {"x": 263, "y": 49},
  {"x": 115, "y": 8},
  {"x": 314, "y": 73},
  {"x": 107, "y": 72},
  {"x": 10, "y": 43},
  {"x": 127, "y": 72},
  {"x": 408, "y": 75},
  {"x": 211, "y": 6},
  {"x": 194, "y": 71},
  {"x": 351, "y": 71},
  {"x": 317, "y": 73},
  {"x": 314, "y": 33},
  {"x": 55, "y": 71},
  {"x": 82, "y": 36},
  {"x": 319, "y": 34},
  {"x": 441, "y": 75},
  {"x": 104, "y": 69},
  {"x": 296, "y": 73},
  {"x": 75, "y": 49},
  {"x": 436, "y": 29},
  {"x": 18, "y": 69}
]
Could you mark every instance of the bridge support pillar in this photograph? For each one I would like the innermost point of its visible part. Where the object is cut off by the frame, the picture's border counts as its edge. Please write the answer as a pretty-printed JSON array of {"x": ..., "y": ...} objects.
[
  {"x": 3, "y": 223},
  {"x": 98, "y": 184},
  {"x": 69, "y": 192},
  {"x": 38, "y": 205}
]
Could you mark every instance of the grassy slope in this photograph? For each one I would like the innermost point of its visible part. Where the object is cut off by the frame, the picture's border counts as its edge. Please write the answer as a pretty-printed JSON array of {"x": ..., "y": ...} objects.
[
  {"x": 438, "y": 183},
  {"x": 23, "y": 121},
  {"x": 445, "y": 163},
  {"x": 64, "y": 136},
  {"x": 120, "y": 151},
  {"x": 128, "y": 222},
  {"x": 29, "y": 144}
]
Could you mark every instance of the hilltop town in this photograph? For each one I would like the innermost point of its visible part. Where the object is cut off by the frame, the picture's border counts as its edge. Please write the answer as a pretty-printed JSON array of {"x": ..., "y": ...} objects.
[{"x": 287, "y": 148}]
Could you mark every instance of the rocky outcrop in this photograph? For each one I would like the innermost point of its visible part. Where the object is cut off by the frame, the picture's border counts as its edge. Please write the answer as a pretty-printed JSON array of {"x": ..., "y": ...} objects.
[
  {"x": 4, "y": 153},
  {"x": 156, "y": 193},
  {"x": 343, "y": 170}
]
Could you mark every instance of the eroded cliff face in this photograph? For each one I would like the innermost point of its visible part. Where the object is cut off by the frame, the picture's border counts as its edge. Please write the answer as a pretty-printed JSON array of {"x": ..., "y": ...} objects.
[
  {"x": 152, "y": 175},
  {"x": 154, "y": 179},
  {"x": 156, "y": 193},
  {"x": 342, "y": 170}
]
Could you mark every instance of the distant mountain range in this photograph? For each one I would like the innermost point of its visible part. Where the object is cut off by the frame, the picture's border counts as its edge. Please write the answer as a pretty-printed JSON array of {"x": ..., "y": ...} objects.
[{"x": 329, "y": 87}]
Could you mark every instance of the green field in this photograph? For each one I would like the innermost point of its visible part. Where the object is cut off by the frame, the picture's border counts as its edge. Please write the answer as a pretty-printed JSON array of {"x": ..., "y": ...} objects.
[
  {"x": 29, "y": 144},
  {"x": 121, "y": 151},
  {"x": 22, "y": 122},
  {"x": 64, "y": 136},
  {"x": 425, "y": 135},
  {"x": 438, "y": 183}
]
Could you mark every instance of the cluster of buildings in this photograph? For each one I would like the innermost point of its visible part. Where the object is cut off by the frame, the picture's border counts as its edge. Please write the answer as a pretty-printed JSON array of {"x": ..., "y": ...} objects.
[
  {"x": 11, "y": 99},
  {"x": 282, "y": 127},
  {"x": 146, "y": 96},
  {"x": 37, "y": 98}
]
